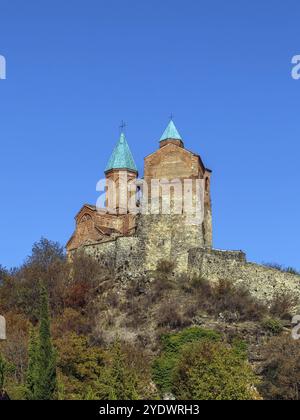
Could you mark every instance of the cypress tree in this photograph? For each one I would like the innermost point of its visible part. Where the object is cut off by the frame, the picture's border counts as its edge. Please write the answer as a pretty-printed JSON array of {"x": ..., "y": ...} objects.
[
  {"x": 2, "y": 372},
  {"x": 3, "y": 394},
  {"x": 41, "y": 375},
  {"x": 31, "y": 377}
]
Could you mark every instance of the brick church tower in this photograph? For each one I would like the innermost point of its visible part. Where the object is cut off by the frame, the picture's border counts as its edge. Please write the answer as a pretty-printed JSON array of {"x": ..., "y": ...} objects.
[
  {"x": 170, "y": 236},
  {"x": 94, "y": 225},
  {"x": 120, "y": 171}
]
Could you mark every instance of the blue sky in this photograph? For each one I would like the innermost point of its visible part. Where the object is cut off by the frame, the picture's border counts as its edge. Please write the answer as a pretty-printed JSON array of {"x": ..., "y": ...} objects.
[{"x": 76, "y": 68}]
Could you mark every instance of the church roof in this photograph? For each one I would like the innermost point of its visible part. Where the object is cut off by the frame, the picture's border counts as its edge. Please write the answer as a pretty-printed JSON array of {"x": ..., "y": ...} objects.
[
  {"x": 171, "y": 132},
  {"x": 121, "y": 157}
]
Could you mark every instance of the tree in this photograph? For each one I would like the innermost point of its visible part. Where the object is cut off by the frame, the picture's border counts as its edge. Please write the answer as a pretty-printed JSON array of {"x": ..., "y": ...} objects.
[
  {"x": 41, "y": 376},
  {"x": 117, "y": 381},
  {"x": 123, "y": 380},
  {"x": 18, "y": 291},
  {"x": 48, "y": 263},
  {"x": 3, "y": 274},
  {"x": 213, "y": 371},
  {"x": 79, "y": 364},
  {"x": 32, "y": 372},
  {"x": 2, "y": 372},
  {"x": 15, "y": 348},
  {"x": 3, "y": 393},
  {"x": 45, "y": 253},
  {"x": 90, "y": 372},
  {"x": 46, "y": 377},
  {"x": 172, "y": 345}
]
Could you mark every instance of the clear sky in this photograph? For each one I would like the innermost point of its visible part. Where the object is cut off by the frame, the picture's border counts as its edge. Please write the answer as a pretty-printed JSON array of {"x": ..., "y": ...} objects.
[{"x": 76, "y": 68}]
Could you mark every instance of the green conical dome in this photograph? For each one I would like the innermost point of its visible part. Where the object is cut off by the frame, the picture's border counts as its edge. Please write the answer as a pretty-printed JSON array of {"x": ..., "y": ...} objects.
[
  {"x": 171, "y": 132},
  {"x": 121, "y": 157}
]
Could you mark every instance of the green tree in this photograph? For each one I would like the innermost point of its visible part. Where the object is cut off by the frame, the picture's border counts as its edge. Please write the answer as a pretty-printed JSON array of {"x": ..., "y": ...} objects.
[
  {"x": 172, "y": 344},
  {"x": 2, "y": 372},
  {"x": 123, "y": 380},
  {"x": 117, "y": 381},
  {"x": 46, "y": 377},
  {"x": 213, "y": 371},
  {"x": 41, "y": 376},
  {"x": 79, "y": 365},
  {"x": 32, "y": 371}
]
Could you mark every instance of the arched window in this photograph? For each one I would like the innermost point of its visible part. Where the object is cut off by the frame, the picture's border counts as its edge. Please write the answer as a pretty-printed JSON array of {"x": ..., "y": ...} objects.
[{"x": 85, "y": 218}]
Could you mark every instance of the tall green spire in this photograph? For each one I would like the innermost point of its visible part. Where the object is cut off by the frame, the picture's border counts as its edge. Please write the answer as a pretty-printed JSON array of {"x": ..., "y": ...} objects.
[
  {"x": 171, "y": 132},
  {"x": 121, "y": 157}
]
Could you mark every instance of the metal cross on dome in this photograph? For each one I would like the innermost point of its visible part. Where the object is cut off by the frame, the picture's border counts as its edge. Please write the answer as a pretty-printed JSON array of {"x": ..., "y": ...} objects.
[{"x": 122, "y": 126}]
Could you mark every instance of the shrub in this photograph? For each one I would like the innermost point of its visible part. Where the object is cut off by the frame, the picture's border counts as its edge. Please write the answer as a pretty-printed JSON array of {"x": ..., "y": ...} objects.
[
  {"x": 135, "y": 313},
  {"x": 281, "y": 369},
  {"x": 283, "y": 305},
  {"x": 213, "y": 371},
  {"x": 274, "y": 266},
  {"x": 71, "y": 321},
  {"x": 136, "y": 288},
  {"x": 160, "y": 286},
  {"x": 165, "y": 267},
  {"x": 228, "y": 298},
  {"x": 281, "y": 268},
  {"x": 292, "y": 270},
  {"x": 199, "y": 283},
  {"x": 169, "y": 315},
  {"x": 191, "y": 310},
  {"x": 78, "y": 295},
  {"x": 272, "y": 325}
]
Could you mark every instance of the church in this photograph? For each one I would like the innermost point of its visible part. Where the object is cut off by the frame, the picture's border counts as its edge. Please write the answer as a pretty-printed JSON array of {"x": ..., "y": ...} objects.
[
  {"x": 164, "y": 236},
  {"x": 133, "y": 239}
]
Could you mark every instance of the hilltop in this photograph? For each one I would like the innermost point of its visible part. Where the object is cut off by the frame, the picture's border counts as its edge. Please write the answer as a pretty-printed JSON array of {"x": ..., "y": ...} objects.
[{"x": 93, "y": 313}]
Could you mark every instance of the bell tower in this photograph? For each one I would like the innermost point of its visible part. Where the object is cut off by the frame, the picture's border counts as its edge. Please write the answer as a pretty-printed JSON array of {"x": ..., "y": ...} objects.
[
  {"x": 120, "y": 171},
  {"x": 184, "y": 185}
]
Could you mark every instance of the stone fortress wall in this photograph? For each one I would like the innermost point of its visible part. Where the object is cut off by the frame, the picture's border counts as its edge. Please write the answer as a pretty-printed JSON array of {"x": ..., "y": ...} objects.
[
  {"x": 263, "y": 282},
  {"x": 131, "y": 257}
]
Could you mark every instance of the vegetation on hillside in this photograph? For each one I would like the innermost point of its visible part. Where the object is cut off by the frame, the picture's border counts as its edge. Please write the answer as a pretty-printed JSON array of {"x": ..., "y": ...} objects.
[{"x": 75, "y": 332}]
